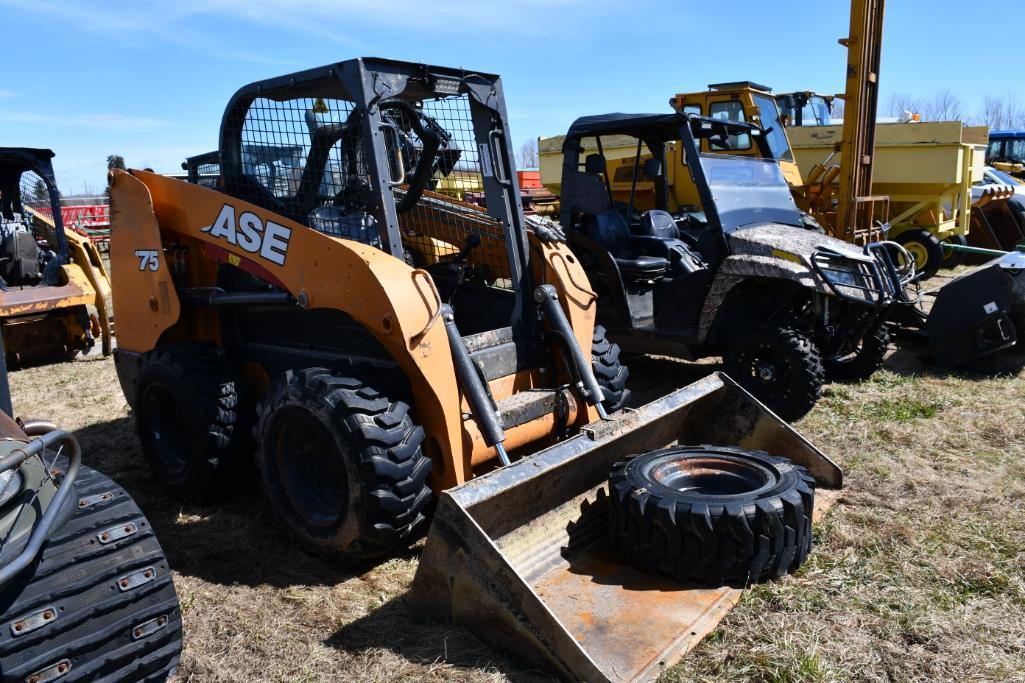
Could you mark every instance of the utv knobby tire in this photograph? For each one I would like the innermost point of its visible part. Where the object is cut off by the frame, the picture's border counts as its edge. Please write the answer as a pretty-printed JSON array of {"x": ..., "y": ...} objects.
[
  {"x": 865, "y": 360},
  {"x": 342, "y": 465},
  {"x": 187, "y": 412},
  {"x": 78, "y": 577},
  {"x": 610, "y": 372},
  {"x": 711, "y": 514},
  {"x": 782, "y": 368}
]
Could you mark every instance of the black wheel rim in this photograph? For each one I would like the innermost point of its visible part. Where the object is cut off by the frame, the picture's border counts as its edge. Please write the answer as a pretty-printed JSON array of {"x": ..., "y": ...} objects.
[
  {"x": 711, "y": 475},
  {"x": 765, "y": 373},
  {"x": 310, "y": 468},
  {"x": 168, "y": 430}
]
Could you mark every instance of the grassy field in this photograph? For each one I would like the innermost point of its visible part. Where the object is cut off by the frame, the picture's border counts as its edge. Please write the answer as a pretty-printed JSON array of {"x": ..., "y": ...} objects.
[{"x": 918, "y": 572}]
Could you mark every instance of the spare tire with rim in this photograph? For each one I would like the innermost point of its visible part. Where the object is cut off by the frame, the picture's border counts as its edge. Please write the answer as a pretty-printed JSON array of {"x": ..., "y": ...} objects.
[{"x": 712, "y": 514}]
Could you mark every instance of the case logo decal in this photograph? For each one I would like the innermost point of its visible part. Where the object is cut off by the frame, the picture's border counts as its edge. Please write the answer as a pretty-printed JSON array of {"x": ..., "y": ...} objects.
[{"x": 270, "y": 241}]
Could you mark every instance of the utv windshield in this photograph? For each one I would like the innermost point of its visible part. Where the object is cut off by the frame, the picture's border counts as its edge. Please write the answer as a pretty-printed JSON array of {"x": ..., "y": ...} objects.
[{"x": 749, "y": 191}]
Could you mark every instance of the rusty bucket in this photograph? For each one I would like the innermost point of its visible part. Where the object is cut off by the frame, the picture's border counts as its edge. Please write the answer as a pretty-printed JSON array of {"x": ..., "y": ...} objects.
[{"x": 520, "y": 556}]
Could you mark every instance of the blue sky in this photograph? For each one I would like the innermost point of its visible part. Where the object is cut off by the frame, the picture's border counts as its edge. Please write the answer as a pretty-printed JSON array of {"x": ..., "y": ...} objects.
[{"x": 149, "y": 80}]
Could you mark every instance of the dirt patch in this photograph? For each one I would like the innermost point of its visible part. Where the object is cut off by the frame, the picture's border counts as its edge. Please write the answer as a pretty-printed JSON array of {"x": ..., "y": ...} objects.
[{"x": 918, "y": 572}]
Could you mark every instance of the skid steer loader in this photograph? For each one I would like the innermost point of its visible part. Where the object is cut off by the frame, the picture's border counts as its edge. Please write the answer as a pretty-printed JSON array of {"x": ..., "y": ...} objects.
[
  {"x": 85, "y": 589},
  {"x": 54, "y": 287},
  {"x": 391, "y": 347}
]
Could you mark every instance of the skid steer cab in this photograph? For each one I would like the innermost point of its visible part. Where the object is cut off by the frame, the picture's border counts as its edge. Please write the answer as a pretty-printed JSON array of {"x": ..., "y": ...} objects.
[
  {"x": 739, "y": 276},
  {"x": 377, "y": 346},
  {"x": 54, "y": 287}
]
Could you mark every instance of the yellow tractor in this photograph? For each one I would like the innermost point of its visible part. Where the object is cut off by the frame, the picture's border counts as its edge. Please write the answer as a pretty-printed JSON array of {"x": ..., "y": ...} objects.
[
  {"x": 387, "y": 353},
  {"x": 54, "y": 289}
]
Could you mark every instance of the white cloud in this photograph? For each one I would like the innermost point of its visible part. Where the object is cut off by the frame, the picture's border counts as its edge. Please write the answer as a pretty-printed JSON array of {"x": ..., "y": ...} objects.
[
  {"x": 6, "y": 93},
  {"x": 105, "y": 121},
  {"x": 328, "y": 19}
]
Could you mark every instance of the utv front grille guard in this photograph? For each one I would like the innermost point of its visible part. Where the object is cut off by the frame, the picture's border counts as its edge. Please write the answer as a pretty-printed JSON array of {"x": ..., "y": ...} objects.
[
  {"x": 45, "y": 525},
  {"x": 869, "y": 277}
]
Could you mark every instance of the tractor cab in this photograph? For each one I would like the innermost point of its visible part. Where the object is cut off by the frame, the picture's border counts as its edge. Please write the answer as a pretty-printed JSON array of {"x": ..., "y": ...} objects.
[
  {"x": 806, "y": 108},
  {"x": 744, "y": 102},
  {"x": 1006, "y": 151}
]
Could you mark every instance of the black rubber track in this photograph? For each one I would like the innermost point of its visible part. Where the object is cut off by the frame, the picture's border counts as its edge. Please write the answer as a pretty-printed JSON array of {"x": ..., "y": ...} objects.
[
  {"x": 217, "y": 443},
  {"x": 802, "y": 375},
  {"x": 707, "y": 538},
  {"x": 385, "y": 468},
  {"x": 77, "y": 576},
  {"x": 863, "y": 364},
  {"x": 610, "y": 372}
]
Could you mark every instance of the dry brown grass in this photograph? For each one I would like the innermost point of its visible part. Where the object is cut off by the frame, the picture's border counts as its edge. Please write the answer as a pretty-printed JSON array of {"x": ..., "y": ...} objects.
[{"x": 918, "y": 573}]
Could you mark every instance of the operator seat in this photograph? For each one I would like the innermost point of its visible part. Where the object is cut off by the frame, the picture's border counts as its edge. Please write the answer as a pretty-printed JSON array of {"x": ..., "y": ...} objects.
[
  {"x": 610, "y": 230},
  {"x": 19, "y": 258},
  {"x": 660, "y": 226}
]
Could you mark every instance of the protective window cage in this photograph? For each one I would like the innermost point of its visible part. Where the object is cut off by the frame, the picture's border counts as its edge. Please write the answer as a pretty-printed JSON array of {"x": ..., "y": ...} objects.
[
  {"x": 32, "y": 210},
  {"x": 308, "y": 159}
]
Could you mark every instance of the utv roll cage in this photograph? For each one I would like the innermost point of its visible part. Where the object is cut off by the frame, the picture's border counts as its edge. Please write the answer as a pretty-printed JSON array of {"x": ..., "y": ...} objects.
[{"x": 879, "y": 285}]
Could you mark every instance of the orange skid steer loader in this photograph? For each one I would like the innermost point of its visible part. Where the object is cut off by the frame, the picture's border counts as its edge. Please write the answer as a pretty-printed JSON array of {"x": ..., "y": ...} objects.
[{"x": 386, "y": 352}]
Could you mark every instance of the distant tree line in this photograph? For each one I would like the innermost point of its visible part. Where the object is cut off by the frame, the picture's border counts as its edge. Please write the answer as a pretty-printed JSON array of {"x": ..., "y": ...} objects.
[{"x": 996, "y": 112}]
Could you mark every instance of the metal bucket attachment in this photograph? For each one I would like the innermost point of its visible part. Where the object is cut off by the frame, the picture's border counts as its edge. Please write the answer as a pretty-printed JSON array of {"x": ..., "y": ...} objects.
[
  {"x": 520, "y": 556},
  {"x": 970, "y": 318}
]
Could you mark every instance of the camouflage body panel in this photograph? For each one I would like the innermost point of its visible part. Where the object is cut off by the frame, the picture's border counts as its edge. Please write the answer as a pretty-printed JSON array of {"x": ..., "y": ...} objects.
[
  {"x": 771, "y": 238},
  {"x": 771, "y": 252}
]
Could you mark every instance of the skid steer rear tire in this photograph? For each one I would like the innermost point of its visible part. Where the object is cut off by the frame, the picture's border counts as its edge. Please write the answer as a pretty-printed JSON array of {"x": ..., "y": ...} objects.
[
  {"x": 98, "y": 629},
  {"x": 862, "y": 363},
  {"x": 610, "y": 372},
  {"x": 712, "y": 514},
  {"x": 782, "y": 368},
  {"x": 342, "y": 464},
  {"x": 190, "y": 419}
]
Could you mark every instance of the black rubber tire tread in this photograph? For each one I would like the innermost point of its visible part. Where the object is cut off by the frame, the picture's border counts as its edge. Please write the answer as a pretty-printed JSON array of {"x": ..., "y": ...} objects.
[
  {"x": 207, "y": 385},
  {"x": 804, "y": 361},
  {"x": 868, "y": 359},
  {"x": 77, "y": 575},
  {"x": 611, "y": 373},
  {"x": 388, "y": 473},
  {"x": 932, "y": 245},
  {"x": 952, "y": 259},
  {"x": 713, "y": 540}
]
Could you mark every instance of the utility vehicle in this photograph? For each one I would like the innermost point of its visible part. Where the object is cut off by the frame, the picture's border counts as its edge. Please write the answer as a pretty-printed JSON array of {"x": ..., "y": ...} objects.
[{"x": 739, "y": 276}]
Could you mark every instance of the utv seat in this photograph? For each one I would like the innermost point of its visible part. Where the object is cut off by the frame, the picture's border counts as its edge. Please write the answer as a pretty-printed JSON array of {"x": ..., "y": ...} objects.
[
  {"x": 610, "y": 230},
  {"x": 660, "y": 227}
]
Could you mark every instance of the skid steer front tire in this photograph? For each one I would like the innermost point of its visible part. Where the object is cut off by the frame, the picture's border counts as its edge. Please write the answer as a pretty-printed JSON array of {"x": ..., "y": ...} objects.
[
  {"x": 188, "y": 415},
  {"x": 862, "y": 362},
  {"x": 780, "y": 367},
  {"x": 610, "y": 372},
  {"x": 712, "y": 514},
  {"x": 342, "y": 464}
]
